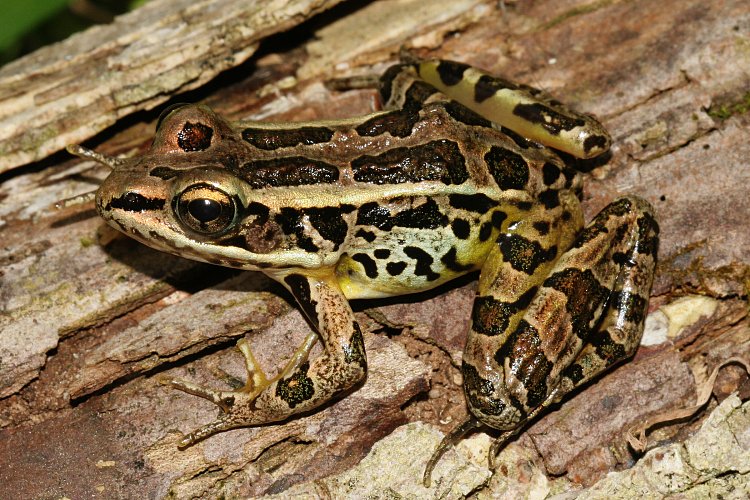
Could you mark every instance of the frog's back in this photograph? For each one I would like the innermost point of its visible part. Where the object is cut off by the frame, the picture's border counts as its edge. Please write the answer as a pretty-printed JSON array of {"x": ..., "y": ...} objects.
[
  {"x": 430, "y": 209},
  {"x": 426, "y": 187}
]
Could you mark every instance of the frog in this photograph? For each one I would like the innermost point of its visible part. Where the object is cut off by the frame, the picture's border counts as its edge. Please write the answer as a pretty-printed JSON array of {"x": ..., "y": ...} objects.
[{"x": 460, "y": 171}]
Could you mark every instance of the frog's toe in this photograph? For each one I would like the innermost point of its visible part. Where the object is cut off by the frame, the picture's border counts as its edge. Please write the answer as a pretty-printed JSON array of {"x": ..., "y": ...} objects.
[
  {"x": 223, "y": 423},
  {"x": 256, "y": 378},
  {"x": 238, "y": 409},
  {"x": 255, "y": 384},
  {"x": 223, "y": 399}
]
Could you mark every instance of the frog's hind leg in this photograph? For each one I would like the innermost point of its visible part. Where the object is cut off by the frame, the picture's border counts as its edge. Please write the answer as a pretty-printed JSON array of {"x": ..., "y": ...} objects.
[
  {"x": 604, "y": 282},
  {"x": 525, "y": 110},
  {"x": 529, "y": 243},
  {"x": 613, "y": 334},
  {"x": 544, "y": 325},
  {"x": 586, "y": 315}
]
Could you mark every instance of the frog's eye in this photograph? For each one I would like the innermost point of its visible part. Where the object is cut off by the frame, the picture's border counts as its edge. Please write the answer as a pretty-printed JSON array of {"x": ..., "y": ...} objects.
[{"x": 205, "y": 209}]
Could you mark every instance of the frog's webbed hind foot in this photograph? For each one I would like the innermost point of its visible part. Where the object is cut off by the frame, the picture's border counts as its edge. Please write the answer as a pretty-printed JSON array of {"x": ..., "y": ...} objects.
[
  {"x": 498, "y": 445},
  {"x": 238, "y": 406}
]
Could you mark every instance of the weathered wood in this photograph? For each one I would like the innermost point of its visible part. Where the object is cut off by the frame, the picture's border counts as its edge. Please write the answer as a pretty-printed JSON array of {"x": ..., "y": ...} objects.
[
  {"x": 91, "y": 320},
  {"x": 65, "y": 93}
]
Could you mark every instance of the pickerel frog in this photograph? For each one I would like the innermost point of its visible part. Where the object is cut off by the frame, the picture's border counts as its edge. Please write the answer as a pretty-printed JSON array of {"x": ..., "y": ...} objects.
[{"x": 450, "y": 178}]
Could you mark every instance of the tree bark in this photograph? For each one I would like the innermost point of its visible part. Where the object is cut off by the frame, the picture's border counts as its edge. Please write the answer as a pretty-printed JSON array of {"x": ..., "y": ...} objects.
[{"x": 92, "y": 320}]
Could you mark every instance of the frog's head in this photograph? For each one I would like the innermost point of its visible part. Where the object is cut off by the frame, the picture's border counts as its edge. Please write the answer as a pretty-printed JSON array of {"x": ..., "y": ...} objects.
[{"x": 182, "y": 196}]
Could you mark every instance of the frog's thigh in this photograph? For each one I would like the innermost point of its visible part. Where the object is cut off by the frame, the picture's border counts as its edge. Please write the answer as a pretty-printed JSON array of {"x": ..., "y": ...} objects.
[
  {"x": 527, "y": 111},
  {"x": 586, "y": 315},
  {"x": 626, "y": 235},
  {"x": 524, "y": 254}
]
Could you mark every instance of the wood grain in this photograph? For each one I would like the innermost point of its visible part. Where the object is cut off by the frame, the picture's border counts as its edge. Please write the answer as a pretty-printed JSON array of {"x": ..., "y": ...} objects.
[
  {"x": 90, "y": 320},
  {"x": 66, "y": 93}
]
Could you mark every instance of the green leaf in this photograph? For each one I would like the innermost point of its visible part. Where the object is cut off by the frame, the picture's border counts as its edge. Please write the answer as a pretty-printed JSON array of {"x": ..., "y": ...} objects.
[{"x": 20, "y": 16}]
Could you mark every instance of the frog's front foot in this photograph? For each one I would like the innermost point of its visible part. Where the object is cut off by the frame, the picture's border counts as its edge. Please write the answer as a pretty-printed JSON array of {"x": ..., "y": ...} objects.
[{"x": 241, "y": 407}]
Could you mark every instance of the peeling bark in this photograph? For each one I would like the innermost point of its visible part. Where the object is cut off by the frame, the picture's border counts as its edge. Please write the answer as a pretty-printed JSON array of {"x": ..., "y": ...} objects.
[{"x": 91, "y": 321}]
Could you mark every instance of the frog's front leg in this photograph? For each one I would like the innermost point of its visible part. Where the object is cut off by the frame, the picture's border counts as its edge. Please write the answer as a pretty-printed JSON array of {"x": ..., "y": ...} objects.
[{"x": 301, "y": 385}]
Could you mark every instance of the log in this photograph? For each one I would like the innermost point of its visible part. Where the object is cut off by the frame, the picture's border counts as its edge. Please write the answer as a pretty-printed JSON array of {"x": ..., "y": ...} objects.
[{"x": 91, "y": 321}]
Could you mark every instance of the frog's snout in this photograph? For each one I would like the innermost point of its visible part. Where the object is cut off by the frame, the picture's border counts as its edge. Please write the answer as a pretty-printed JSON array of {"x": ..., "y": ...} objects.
[{"x": 122, "y": 191}]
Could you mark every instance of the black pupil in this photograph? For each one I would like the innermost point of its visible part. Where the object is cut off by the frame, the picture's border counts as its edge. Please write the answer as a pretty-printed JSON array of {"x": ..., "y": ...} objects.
[{"x": 204, "y": 209}]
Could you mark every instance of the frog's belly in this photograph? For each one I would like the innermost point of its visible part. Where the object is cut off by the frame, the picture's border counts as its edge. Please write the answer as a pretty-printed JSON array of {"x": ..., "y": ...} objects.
[{"x": 397, "y": 263}]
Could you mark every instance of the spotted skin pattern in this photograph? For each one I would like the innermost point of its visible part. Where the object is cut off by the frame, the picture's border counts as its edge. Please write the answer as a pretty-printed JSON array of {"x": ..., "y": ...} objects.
[{"x": 450, "y": 178}]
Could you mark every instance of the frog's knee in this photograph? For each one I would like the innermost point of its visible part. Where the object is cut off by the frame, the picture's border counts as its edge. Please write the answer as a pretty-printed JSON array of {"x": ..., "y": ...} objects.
[{"x": 490, "y": 402}]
